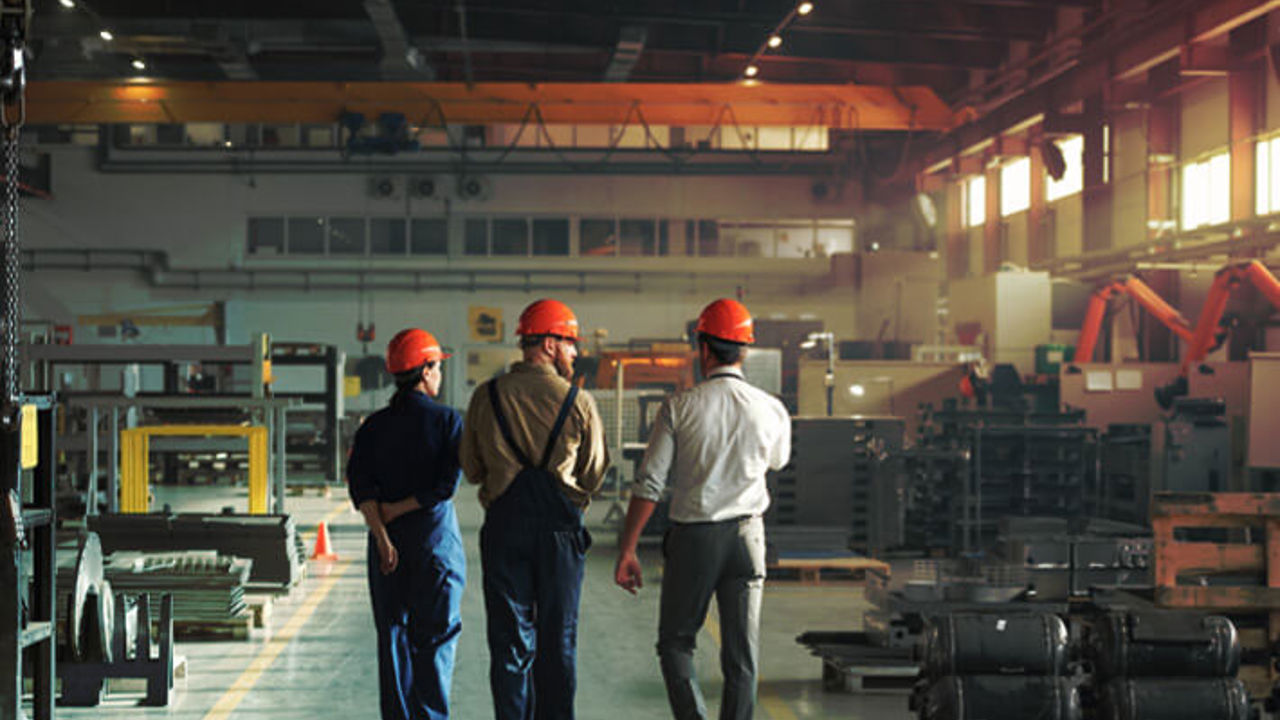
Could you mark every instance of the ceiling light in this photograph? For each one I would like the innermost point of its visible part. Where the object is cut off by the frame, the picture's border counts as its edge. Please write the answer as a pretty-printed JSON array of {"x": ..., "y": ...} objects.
[
  {"x": 67, "y": 3},
  {"x": 751, "y": 71},
  {"x": 804, "y": 8},
  {"x": 775, "y": 41},
  {"x": 106, "y": 35},
  {"x": 138, "y": 64}
]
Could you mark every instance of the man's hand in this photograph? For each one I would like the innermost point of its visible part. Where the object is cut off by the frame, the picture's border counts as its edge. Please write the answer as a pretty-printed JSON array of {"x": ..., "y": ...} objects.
[
  {"x": 627, "y": 572},
  {"x": 389, "y": 511},
  {"x": 388, "y": 558}
]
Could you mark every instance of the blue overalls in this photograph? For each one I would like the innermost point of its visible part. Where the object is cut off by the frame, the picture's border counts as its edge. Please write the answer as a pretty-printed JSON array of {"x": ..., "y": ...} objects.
[
  {"x": 533, "y": 547},
  {"x": 411, "y": 448}
]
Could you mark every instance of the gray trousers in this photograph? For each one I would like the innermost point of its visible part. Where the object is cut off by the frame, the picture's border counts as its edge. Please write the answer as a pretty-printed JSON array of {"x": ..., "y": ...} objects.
[{"x": 725, "y": 559}]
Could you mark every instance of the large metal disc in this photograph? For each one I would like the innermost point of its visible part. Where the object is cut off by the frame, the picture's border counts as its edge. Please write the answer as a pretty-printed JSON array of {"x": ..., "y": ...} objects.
[{"x": 89, "y": 579}]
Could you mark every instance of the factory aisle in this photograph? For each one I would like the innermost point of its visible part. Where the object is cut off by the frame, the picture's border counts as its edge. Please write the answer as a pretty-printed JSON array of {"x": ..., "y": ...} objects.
[{"x": 318, "y": 659}]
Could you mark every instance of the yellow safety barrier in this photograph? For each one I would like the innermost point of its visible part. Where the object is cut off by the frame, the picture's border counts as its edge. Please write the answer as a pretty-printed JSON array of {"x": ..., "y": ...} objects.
[{"x": 135, "y": 465}]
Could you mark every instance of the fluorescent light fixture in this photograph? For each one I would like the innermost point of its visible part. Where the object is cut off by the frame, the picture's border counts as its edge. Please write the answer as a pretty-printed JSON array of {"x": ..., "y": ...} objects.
[
  {"x": 804, "y": 8},
  {"x": 751, "y": 71},
  {"x": 775, "y": 41},
  {"x": 857, "y": 390},
  {"x": 138, "y": 64},
  {"x": 106, "y": 35}
]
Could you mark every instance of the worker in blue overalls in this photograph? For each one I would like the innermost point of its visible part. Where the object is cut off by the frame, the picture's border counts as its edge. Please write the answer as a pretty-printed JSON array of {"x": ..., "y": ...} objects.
[
  {"x": 402, "y": 474},
  {"x": 535, "y": 446}
]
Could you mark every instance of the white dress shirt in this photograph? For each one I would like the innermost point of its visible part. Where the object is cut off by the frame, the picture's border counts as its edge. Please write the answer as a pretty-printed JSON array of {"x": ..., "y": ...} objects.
[{"x": 712, "y": 444}]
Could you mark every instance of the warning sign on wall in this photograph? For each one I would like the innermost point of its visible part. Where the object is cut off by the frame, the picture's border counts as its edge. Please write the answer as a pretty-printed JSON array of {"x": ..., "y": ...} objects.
[{"x": 485, "y": 323}]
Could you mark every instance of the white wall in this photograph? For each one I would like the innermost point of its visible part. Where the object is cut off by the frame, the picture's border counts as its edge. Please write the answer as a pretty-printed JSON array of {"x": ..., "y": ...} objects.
[{"x": 200, "y": 220}]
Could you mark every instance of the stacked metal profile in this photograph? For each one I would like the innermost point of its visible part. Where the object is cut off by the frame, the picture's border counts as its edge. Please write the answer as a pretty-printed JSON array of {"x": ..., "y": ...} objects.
[
  {"x": 270, "y": 541},
  {"x": 1068, "y": 558},
  {"x": 1123, "y": 488},
  {"x": 206, "y": 587},
  {"x": 970, "y": 468},
  {"x": 825, "y": 498}
]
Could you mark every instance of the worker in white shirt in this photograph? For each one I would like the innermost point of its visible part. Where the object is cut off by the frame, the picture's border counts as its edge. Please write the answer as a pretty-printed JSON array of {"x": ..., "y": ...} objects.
[{"x": 712, "y": 445}]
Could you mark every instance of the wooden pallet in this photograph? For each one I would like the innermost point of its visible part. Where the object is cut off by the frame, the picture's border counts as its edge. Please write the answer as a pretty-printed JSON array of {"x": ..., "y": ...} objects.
[
  {"x": 1239, "y": 514},
  {"x": 238, "y": 628},
  {"x": 813, "y": 571}
]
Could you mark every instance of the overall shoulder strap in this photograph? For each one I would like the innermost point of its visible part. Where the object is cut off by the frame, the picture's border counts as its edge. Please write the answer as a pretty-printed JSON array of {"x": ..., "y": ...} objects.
[
  {"x": 565, "y": 407},
  {"x": 502, "y": 424}
]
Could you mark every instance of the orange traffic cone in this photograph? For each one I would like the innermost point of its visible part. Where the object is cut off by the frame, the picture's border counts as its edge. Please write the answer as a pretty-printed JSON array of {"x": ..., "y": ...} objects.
[{"x": 323, "y": 551}]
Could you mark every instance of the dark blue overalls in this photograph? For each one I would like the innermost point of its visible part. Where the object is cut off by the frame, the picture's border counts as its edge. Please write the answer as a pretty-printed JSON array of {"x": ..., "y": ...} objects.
[
  {"x": 411, "y": 448},
  {"x": 533, "y": 546}
]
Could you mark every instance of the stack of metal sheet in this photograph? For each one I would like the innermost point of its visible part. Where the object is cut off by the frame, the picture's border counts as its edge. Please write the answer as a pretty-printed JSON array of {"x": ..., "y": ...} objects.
[
  {"x": 206, "y": 587},
  {"x": 270, "y": 541}
]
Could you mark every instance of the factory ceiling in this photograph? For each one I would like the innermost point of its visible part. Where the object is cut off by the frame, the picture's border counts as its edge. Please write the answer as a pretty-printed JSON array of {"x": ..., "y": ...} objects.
[{"x": 939, "y": 44}]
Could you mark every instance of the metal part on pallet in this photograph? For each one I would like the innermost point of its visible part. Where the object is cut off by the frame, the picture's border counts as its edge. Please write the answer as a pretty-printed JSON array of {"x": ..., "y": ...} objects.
[
  {"x": 984, "y": 697},
  {"x": 1164, "y": 643},
  {"x": 1174, "y": 699},
  {"x": 996, "y": 644},
  {"x": 970, "y": 468},
  {"x": 84, "y": 681}
]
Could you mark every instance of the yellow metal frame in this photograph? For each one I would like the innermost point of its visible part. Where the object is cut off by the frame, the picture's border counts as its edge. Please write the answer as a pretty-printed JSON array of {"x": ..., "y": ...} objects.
[{"x": 135, "y": 463}]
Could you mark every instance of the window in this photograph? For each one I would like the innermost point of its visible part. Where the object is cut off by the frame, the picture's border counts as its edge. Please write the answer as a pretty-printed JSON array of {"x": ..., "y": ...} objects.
[
  {"x": 510, "y": 236},
  {"x": 1015, "y": 186},
  {"x": 346, "y": 236},
  {"x": 1267, "y": 190},
  {"x": 266, "y": 235},
  {"x": 708, "y": 238},
  {"x": 637, "y": 237},
  {"x": 386, "y": 236},
  {"x": 550, "y": 237},
  {"x": 429, "y": 236},
  {"x": 475, "y": 236},
  {"x": 597, "y": 237},
  {"x": 1206, "y": 192},
  {"x": 1072, "y": 180},
  {"x": 975, "y": 194},
  {"x": 306, "y": 235}
]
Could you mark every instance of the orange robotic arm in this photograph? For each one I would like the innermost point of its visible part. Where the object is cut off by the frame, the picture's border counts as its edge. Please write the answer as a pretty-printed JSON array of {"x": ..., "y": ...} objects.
[
  {"x": 1227, "y": 279},
  {"x": 1140, "y": 292}
]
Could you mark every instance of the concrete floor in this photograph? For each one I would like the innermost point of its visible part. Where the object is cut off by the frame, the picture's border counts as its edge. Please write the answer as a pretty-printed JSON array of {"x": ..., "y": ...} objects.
[{"x": 316, "y": 659}]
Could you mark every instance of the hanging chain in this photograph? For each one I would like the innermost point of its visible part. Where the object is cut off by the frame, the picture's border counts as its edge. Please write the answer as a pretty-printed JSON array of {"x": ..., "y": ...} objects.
[{"x": 14, "y": 16}]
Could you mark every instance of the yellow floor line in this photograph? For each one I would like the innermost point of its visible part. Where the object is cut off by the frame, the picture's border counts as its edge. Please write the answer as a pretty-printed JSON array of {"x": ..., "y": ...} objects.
[
  {"x": 235, "y": 694},
  {"x": 772, "y": 705}
]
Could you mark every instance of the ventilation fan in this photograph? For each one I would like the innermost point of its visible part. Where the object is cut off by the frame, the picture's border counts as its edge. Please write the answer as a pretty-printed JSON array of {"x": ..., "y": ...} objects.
[
  {"x": 422, "y": 187},
  {"x": 384, "y": 188},
  {"x": 474, "y": 187}
]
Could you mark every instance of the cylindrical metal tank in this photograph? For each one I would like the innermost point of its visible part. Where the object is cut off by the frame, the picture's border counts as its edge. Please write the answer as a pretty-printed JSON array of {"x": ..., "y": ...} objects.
[
  {"x": 1000, "y": 697},
  {"x": 995, "y": 644},
  {"x": 1174, "y": 699},
  {"x": 1165, "y": 644}
]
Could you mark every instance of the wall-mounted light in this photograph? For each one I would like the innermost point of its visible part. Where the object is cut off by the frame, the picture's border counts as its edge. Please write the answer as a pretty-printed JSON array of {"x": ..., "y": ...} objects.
[
  {"x": 106, "y": 35},
  {"x": 138, "y": 64},
  {"x": 775, "y": 41},
  {"x": 857, "y": 390},
  {"x": 804, "y": 8}
]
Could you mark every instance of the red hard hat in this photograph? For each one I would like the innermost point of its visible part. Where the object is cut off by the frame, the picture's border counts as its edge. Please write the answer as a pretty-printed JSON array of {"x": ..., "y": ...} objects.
[
  {"x": 412, "y": 348},
  {"x": 548, "y": 317},
  {"x": 727, "y": 320}
]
